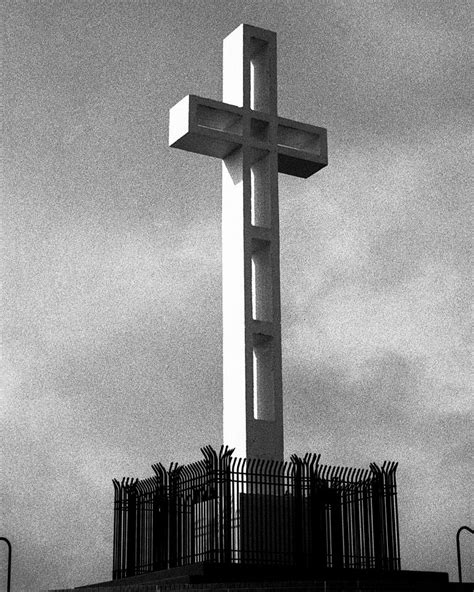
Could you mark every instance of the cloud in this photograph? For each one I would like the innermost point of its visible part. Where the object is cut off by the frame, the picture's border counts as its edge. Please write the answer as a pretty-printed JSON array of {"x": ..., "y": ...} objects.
[{"x": 113, "y": 293}]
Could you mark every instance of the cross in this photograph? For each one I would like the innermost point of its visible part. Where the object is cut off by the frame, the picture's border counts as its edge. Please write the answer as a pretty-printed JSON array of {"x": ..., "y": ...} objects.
[{"x": 255, "y": 144}]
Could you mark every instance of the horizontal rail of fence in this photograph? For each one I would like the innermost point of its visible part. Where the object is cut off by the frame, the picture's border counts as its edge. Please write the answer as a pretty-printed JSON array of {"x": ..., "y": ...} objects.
[{"x": 224, "y": 509}]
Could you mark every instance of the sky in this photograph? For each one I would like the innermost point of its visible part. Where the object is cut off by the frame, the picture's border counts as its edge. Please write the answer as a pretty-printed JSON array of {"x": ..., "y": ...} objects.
[{"x": 112, "y": 344}]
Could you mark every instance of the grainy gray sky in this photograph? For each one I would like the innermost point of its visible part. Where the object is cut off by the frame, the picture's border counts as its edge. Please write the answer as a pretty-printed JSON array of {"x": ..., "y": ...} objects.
[{"x": 112, "y": 305}]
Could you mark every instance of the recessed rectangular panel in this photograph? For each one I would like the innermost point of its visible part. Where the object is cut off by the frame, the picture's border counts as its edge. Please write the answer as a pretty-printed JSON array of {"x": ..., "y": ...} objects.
[
  {"x": 217, "y": 119},
  {"x": 262, "y": 293},
  {"x": 260, "y": 192},
  {"x": 259, "y": 75},
  {"x": 259, "y": 129},
  {"x": 263, "y": 384},
  {"x": 298, "y": 138},
  {"x": 206, "y": 142}
]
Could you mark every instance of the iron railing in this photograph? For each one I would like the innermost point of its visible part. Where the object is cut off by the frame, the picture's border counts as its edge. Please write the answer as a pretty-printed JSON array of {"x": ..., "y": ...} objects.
[{"x": 223, "y": 509}]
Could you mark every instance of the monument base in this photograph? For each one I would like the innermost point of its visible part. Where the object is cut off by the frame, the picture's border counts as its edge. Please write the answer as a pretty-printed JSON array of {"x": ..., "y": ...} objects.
[{"x": 206, "y": 577}]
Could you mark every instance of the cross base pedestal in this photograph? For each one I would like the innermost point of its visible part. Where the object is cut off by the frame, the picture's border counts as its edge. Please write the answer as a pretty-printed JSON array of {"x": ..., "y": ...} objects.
[{"x": 217, "y": 578}]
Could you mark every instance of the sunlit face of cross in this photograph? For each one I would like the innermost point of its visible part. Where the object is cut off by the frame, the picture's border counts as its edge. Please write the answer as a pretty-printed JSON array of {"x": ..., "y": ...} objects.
[{"x": 255, "y": 144}]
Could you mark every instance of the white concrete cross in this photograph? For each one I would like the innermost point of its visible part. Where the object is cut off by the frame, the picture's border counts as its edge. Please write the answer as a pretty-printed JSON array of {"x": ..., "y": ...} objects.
[{"x": 254, "y": 145}]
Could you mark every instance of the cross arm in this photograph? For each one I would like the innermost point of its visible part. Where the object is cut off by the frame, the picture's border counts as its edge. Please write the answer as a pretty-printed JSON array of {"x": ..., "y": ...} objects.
[
  {"x": 216, "y": 129},
  {"x": 205, "y": 126},
  {"x": 302, "y": 148}
]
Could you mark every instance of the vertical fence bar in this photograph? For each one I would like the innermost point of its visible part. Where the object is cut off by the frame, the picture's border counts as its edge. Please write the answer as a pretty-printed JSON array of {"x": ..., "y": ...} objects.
[
  {"x": 391, "y": 500},
  {"x": 396, "y": 529},
  {"x": 357, "y": 536},
  {"x": 378, "y": 525},
  {"x": 336, "y": 519},
  {"x": 117, "y": 530},
  {"x": 173, "y": 516},
  {"x": 226, "y": 503},
  {"x": 297, "y": 510},
  {"x": 161, "y": 518},
  {"x": 345, "y": 501},
  {"x": 138, "y": 529},
  {"x": 131, "y": 528},
  {"x": 318, "y": 523}
]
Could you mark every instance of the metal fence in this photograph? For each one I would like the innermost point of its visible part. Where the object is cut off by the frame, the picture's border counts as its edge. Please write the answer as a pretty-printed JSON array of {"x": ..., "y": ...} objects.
[{"x": 232, "y": 510}]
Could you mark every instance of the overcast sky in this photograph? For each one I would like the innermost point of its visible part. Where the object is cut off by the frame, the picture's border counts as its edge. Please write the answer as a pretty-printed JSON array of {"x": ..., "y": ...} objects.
[{"x": 112, "y": 308}]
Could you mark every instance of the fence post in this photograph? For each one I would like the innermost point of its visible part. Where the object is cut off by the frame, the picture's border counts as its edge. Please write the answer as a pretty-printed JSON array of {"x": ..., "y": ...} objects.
[
  {"x": 9, "y": 569},
  {"x": 390, "y": 501},
  {"x": 298, "y": 511},
  {"x": 117, "y": 543},
  {"x": 224, "y": 494},
  {"x": 174, "y": 471},
  {"x": 131, "y": 527},
  {"x": 320, "y": 551},
  {"x": 335, "y": 492},
  {"x": 356, "y": 518},
  {"x": 313, "y": 512},
  {"x": 160, "y": 518},
  {"x": 458, "y": 547},
  {"x": 378, "y": 524}
]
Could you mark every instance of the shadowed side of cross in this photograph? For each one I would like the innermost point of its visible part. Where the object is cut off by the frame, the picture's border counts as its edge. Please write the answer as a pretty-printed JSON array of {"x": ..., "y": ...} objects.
[{"x": 255, "y": 144}]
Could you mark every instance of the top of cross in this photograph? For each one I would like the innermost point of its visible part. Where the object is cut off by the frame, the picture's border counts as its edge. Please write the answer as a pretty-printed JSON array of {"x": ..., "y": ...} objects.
[{"x": 248, "y": 115}]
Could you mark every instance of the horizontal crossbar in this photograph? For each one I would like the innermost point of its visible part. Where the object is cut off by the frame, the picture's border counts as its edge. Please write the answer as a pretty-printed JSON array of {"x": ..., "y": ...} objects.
[{"x": 217, "y": 129}]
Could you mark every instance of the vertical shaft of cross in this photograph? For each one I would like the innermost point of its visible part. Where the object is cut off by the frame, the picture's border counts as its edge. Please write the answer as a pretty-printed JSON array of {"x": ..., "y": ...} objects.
[
  {"x": 253, "y": 408},
  {"x": 255, "y": 144}
]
